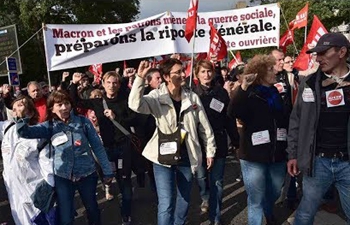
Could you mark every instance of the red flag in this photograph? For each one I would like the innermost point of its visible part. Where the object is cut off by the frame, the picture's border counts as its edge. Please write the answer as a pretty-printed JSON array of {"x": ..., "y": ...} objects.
[
  {"x": 286, "y": 39},
  {"x": 303, "y": 62},
  {"x": 188, "y": 72},
  {"x": 125, "y": 65},
  {"x": 202, "y": 55},
  {"x": 154, "y": 63},
  {"x": 217, "y": 44},
  {"x": 96, "y": 70},
  {"x": 233, "y": 63},
  {"x": 188, "y": 68},
  {"x": 191, "y": 22},
  {"x": 300, "y": 19}
]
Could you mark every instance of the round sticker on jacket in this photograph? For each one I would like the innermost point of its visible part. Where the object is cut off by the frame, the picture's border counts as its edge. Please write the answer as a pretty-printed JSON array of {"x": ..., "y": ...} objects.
[
  {"x": 77, "y": 143},
  {"x": 335, "y": 98}
]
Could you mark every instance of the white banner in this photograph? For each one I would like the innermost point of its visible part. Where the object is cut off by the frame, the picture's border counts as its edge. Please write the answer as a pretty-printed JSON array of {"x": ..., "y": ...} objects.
[{"x": 69, "y": 46}]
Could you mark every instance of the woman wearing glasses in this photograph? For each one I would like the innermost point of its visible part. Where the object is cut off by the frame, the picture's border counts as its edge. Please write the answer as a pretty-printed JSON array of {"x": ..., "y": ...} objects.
[{"x": 174, "y": 109}]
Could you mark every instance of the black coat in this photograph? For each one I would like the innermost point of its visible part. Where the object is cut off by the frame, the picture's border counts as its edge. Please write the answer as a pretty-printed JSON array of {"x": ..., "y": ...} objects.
[
  {"x": 221, "y": 124},
  {"x": 256, "y": 115}
]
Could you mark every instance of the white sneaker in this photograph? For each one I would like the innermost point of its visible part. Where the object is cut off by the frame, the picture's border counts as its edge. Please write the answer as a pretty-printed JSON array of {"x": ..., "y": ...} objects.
[{"x": 205, "y": 206}]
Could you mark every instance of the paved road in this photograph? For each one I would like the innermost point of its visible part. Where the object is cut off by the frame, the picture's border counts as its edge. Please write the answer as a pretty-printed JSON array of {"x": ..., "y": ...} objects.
[{"x": 144, "y": 205}]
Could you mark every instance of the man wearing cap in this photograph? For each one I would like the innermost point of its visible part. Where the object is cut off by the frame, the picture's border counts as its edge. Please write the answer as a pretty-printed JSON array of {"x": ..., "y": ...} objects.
[
  {"x": 45, "y": 90},
  {"x": 318, "y": 129}
]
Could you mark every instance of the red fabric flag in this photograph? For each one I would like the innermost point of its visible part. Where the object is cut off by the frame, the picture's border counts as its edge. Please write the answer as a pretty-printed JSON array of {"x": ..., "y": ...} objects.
[
  {"x": 303, "y": 62},
  {"x": 96, "y": 70},
  {"x": 154, "y": 63},
  {"x": 125, "y": 65},
  {"x": 233, "y": 63},
  {"x": 286, "y": 39},
  {"x": 188, "y": 68},
  {"x": 191, "y": 22},
  {"x": 300, "y": 19},
  {"x": 217, "y": 44},
  {"x": 202, "y": 55},
  {"x": 188, "y": 73}
]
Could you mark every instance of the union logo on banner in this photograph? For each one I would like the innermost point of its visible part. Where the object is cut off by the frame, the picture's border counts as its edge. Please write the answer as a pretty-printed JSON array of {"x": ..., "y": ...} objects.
[{"x": 304, "y": 61}]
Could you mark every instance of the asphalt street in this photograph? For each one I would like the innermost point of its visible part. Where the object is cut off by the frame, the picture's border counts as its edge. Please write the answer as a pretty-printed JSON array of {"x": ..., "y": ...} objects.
[{"x": 144, "y": 209}]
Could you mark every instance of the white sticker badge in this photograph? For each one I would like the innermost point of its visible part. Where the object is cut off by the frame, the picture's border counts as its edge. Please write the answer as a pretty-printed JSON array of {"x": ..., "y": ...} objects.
[
  {"x": 216, "y": 105},
  {"x": 280, "y": 87},
  {"x": 261, "y": 137},
  {"x": 335, "y": 98},
  {"x": 281, "y": 134},
  {"x": 59, "y": 139},
  {"x": 308, "y": 95},
  {"x": 168, "y": 148},
  {"x": 120, "y": 164}
]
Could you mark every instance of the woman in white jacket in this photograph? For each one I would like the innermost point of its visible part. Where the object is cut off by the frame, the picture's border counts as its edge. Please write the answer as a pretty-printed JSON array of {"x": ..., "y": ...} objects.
[
  {"x": 24, "y": 166},
  {"x": 173, "y": 108}
]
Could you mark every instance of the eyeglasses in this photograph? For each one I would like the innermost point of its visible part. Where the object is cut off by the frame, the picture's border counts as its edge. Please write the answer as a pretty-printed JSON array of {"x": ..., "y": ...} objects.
[{"x": 179, "y": 72}]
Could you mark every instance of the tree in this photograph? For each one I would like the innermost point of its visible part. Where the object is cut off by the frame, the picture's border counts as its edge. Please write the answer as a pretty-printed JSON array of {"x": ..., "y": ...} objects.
[{"x": 29, "y": 16}]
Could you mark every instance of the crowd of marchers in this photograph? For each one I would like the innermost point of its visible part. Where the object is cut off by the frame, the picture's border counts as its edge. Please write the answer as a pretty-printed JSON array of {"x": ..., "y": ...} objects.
[{"x": 281, "y": 123}]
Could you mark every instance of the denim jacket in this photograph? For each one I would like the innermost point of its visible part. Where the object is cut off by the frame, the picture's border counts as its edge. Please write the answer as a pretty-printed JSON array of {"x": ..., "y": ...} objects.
[{"x": 71, "y": 144}]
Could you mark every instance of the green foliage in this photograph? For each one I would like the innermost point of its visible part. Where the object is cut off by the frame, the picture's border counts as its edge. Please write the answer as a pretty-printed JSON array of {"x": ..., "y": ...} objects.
[{"x": 29, "y": 15}]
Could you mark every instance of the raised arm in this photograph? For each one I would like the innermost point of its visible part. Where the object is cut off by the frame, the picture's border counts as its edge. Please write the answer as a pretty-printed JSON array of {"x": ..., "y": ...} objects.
[
  {"x": 36, "y": 131},
  {"x": 137, "y": 101}
]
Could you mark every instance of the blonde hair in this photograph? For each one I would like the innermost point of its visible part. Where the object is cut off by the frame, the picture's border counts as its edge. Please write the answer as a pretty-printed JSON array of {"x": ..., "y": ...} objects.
[{"x": 111, "y": 74}]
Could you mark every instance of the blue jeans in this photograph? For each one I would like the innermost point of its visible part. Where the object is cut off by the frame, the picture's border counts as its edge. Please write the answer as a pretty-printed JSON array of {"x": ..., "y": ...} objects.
[
  {"x": 216, "y": 180},
  {"x": 65, "y": 190},
  {"x": 169, "y": 180},
  {"x": 123, "y": 176},
  {"x": 326, "y": 172},
  {"x": 263, "y": 183},
  {"x": 202, "y": 180}
]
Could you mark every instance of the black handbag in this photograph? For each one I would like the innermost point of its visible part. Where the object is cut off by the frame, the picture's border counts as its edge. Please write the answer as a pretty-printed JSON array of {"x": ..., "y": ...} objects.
[
  {"x": 44, "y": 196},
  {"x": 169, "y": 147}
]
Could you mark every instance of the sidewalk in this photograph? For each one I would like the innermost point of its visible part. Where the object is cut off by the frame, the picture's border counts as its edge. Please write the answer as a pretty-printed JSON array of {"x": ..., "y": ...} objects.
[{"x": 322, "y": 218}]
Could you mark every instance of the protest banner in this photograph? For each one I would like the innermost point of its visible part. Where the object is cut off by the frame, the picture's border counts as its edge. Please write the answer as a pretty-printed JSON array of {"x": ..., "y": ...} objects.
[{"x": 69, "y": 46}]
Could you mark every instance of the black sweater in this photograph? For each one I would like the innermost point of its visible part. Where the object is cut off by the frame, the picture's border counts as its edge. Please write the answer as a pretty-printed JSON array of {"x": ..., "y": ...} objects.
[
  {"x": 221, "y": 124},
  {"x": 110, "y": 134}
]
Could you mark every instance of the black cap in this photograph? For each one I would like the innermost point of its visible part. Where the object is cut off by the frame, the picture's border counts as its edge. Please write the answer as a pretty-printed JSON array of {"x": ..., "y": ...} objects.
[
  {"x": 328, "y": 41},
  {"x": 43, "y": 84}
]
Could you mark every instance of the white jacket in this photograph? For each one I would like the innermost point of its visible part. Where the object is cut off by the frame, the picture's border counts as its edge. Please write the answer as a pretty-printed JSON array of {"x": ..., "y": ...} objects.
[
  {"x": 159, "y": 104},
  {"x": 24, "y": 168}
]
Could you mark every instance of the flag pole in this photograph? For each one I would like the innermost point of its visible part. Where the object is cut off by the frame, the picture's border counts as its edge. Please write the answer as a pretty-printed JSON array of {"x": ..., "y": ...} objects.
[
  {"x": 285, "y": 20},
  {"x": 233, "y": 55},
  {"x": 192, "y": 57},
  {"x": 43, "y": 25},
  {"x": 305, "y": 34}
]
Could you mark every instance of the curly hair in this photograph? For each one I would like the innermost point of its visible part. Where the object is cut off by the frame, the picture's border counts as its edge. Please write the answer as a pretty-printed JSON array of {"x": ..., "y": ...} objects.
[{"x": 259, "y": 64}]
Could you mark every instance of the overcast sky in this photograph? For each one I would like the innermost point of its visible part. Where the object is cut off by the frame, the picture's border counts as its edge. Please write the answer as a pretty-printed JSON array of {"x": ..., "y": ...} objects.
[{"x": 153, "y": 7}]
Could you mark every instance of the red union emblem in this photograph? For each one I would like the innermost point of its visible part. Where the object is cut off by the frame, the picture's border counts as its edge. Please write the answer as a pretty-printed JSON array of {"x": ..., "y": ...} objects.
[{"x": 335, "y": 98}]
